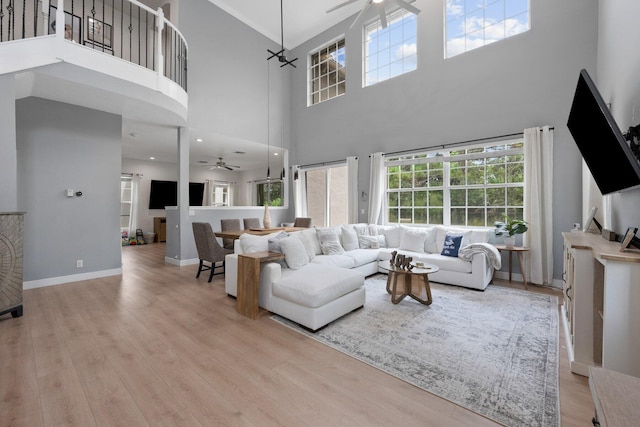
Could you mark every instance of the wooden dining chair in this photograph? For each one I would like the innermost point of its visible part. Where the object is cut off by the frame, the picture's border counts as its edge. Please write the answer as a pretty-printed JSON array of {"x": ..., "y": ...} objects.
[
  {"x": 209, "y": 250},
  {"x": 251, "y": 223},
  {"x": 302, "y": 222},
  {"x": 227, "y": 225}
]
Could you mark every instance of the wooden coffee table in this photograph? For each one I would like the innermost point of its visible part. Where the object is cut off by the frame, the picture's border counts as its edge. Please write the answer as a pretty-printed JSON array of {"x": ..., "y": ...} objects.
[{"x": 413, "y": 283}]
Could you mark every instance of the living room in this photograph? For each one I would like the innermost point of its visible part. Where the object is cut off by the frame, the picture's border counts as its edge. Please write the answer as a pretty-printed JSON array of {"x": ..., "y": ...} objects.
[{"x": 524, "y": 81}]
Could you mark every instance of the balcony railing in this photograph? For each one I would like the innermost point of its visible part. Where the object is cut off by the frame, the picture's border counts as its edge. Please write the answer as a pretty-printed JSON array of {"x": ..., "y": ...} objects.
[{"x": 125, "y": 29}]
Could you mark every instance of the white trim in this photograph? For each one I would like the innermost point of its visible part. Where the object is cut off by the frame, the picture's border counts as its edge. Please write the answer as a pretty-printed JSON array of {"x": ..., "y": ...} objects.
[
  {"x": 51, "y": 281},
  {"x": 181, "y": 262}
]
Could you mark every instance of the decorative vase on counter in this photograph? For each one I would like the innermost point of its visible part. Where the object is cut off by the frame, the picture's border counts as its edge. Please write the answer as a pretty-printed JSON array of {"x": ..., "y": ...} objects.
[
  {"x": 510, "y": 241},
  {"x": 266, "y": 221}
]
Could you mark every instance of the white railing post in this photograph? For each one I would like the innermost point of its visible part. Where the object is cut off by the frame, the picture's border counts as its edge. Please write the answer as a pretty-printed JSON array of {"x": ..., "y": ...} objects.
[
  {"x": 159, "y": 29},
  {"x": 60, "y": 21},
  {"x": 45, "y": 17}
]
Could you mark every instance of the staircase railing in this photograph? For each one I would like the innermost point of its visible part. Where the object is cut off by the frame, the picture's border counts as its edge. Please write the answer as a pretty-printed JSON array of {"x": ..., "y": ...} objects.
[{"x": 125, "y": 29}]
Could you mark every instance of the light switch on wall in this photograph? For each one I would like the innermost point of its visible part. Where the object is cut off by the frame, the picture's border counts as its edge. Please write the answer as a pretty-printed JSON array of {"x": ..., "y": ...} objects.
[{"x": 69, "y": 192}]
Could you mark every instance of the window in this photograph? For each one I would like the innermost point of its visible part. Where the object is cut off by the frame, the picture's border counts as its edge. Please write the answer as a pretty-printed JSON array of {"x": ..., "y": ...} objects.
[
  {"x": 470, "y": 187},
  {"x": 475, "y": 23},
  {"x": 390, "y": 52},
  {"x": 220, "y": 193},
  {"x": 327, "y": 195},
  {"x": 327, "y": 77},
  {"x": 270, "y": 193},
  {"x": 125, "y": 201}
]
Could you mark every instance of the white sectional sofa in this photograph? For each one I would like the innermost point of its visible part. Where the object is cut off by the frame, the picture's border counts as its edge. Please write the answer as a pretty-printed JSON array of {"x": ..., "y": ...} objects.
[{"x": 323, "y": 276}]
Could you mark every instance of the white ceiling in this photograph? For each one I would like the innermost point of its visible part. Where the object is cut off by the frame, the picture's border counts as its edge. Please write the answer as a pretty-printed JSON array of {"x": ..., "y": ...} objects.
[{"x": 303, "y": 19}]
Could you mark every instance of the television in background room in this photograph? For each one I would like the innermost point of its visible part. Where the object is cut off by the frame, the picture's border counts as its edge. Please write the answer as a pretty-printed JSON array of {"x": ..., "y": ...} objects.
[
  {"x": 600, "y": 141},
  {"x": 165, "y": 193}
]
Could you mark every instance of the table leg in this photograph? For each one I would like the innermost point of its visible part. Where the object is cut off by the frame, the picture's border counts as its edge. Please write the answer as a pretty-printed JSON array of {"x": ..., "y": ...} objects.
[
  {"x": 424, "y": 279},
  {"x": 395, "y": 298},
  {"x": 524, "y": 274},
  {"x": 248, "y": 279},
  {"x": 510, "y": 257}
]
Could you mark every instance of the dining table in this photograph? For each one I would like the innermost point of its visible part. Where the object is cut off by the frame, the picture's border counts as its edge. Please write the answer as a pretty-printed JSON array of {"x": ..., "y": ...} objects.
[{"x": 235, "y": 234}]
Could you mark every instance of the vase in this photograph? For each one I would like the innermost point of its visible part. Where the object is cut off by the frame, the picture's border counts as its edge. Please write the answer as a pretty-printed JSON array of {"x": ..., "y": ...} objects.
[
  {"x": 510, "y": 241},
  {"x": 266, "y": 221}
]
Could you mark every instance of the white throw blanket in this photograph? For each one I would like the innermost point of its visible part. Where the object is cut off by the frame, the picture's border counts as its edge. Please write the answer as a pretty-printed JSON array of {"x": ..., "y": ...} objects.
[{"x": 490, "y": 251}]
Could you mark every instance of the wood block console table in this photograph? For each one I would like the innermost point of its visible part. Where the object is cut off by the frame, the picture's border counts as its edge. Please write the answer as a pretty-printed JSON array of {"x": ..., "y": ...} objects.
[
  {"x": 248, "y": 281},
  {"x": 601, "y": 304},
  {"x": 11, "y": 228}
]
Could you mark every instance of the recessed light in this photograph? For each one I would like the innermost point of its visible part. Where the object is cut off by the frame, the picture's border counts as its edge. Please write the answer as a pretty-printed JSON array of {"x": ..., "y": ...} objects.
[
  {"x": 152, "y": 158},
  {"x": 199, "y": 139},
  {"x": 275, "y": 154}
]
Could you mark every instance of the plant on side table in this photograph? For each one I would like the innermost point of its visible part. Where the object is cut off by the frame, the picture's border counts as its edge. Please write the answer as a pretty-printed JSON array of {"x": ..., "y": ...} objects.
[{"x": 511, "y": 227}]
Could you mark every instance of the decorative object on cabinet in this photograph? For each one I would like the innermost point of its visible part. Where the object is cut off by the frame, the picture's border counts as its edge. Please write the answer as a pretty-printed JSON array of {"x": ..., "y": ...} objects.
[{"x": 11, "y": 229}]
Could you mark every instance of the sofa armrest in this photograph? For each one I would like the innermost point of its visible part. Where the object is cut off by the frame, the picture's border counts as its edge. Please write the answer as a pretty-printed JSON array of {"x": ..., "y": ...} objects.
[{"x": 481, "y": 271}]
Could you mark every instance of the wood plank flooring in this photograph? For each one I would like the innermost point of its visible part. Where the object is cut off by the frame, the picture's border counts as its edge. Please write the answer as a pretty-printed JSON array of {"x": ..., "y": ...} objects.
[{"x": 157, "y": 346}]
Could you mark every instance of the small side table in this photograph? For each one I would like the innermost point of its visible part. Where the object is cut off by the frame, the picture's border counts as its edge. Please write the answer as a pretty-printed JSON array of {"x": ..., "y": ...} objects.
[{"x": 520, "y": 250}]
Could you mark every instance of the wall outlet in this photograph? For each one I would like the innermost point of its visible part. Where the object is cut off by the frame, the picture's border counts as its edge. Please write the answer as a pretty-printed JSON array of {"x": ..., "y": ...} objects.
[{"x": 79, "y": 263}]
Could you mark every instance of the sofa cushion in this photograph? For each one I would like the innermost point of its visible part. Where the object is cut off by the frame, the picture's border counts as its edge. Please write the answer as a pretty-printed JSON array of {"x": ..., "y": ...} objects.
[
  {"x": 329, "y": 241},
  {"x": 412, "y": 239},
  {"x": 251, "y": 243},
  {"x": 392, "y": 234},
  {"x": 315, "y": 285},
  {"x": 310, "y": 241},
  {"x": 349, "y": 238},
  {"x": 273, "y": 244},
  {"x": 363, "y": 256},
  {"x": 368, "y": 242},
  {"x": 294, "y": 252},
  {"x": 451, "y": 245},
  {"x": 447, "y": 263},
  {"x": 342, "y": 260}
]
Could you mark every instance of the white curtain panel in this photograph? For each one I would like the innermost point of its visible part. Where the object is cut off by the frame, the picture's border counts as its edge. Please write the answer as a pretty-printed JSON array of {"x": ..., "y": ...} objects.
[
  {"x": 352, "y": 189},
  {"x": 376, "y": 187},
  {"x": 538, "y": 183},
  {"x": 299, "y": 192},
  {"x": 248, "y": 194},
  {"x": 206, "y": 200},
  {"x": 135, "y": 189}
]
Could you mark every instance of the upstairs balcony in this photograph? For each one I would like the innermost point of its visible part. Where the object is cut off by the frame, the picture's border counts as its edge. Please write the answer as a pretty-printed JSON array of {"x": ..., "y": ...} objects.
[{"x": 118, "y": 56}]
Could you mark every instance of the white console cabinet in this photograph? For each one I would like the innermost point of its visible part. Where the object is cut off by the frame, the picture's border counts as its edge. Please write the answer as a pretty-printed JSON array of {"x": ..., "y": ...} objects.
[{"x": 601, "y": 304}]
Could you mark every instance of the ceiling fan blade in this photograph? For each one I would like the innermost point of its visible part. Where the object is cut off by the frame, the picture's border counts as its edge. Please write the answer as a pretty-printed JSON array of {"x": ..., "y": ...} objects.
[
  {"x": 364, "y": 9},
  {"x": 383, "y": 15},
  {"x": 403, "y": 4},
  {"x": 341, "y": 5},
  {"x": 228, "y": 168}
]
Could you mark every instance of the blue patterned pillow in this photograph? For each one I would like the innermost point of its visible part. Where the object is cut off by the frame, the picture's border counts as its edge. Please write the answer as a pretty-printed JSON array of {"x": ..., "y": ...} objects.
[{"x": 451, "y": 245}]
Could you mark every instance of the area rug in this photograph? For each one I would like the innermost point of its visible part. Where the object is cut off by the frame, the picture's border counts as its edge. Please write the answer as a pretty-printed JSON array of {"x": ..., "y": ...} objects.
[{"x": 493, "y": 352}]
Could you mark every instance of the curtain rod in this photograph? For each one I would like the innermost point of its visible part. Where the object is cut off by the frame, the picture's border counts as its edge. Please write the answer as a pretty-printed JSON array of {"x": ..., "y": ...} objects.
[
  {"x": 332, "y": 162},
  {"x": 456, "y": 143}
]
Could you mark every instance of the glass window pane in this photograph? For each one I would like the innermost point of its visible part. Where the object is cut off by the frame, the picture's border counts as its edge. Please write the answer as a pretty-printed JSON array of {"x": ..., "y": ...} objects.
[
  {"x": 515, "y": 172},
  {"x": 392, "y": 199},
  {"x": 458, "y": 197},
  {"x": 406, "y": 216},
  {"x": 476, "y": 217},
  {"x": 436, "y": 216},
  {"x": 420, "y": 198},
  {"x": 436, "y": 198},
  {"x": 392, "y": 215},
  {"x": 458, "y": 216},
  {"x": 476, "y": 197},
  {"x": 338, "y": 196},
  {"x": 496, "y": 196},
  {"x": 316, "y": 196},
  {"x": 420, "y": 216},
  {"x": 515, "y": 196},
  {"x": 406, "y": 198}
]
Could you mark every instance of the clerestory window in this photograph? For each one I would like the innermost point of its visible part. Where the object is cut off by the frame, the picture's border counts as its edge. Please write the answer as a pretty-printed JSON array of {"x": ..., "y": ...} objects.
[{"x": 327, "y": 72}]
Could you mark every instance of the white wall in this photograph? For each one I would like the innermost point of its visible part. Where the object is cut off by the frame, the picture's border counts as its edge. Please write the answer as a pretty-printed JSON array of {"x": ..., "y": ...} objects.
[
  {"x": 618, "y": 81},
  {"x": 8, "y": 169},
  {"x": 524, "y": 81},
  {"x": 59, "y": 147}
]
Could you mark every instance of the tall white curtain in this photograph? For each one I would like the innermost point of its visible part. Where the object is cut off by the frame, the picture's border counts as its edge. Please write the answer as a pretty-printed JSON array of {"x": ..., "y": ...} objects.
[
  {"x": 352, "y": 189},
  {"x": 376, "y": 187},
  {"x": 231, "y": 193},
  {"x": 248, "y": 194},
  {"x": 135, "y": 189},
  {"x": 299, "y": 192},
  {"x": 538, "y": 190},
  {"x": 206, "y": 200}
]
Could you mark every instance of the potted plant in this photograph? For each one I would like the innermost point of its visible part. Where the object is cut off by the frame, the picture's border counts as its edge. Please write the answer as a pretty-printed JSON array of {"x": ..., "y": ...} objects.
[{"x": 510, "y": 227}]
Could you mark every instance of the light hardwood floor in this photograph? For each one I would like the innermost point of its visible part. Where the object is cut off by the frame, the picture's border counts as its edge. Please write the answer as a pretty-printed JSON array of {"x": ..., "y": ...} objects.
[{"x": 159, "y": 347}]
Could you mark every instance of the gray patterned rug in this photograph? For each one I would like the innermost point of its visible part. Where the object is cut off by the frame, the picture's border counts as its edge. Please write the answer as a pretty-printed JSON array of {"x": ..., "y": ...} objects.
[{"x": 493, "y": 352}]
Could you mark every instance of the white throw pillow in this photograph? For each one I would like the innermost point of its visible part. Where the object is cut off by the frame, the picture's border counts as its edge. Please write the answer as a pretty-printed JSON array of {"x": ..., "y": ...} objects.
[
  {"x": 412, "y": 240},
  {"x": 310, "y": 242},
  {"x": 369, "y": 242},
  {"x": 361, "y": 229},
  {"x": 349, "y": 238},
  {"x": 294, "y": 252},
  {"x": 251, "y": 243},
  {"x": 382, "y": 241},
  {"x": 430, "y": 245},
  {"x": 392, "y": 235},
  {"x": 329, "y": 241}
]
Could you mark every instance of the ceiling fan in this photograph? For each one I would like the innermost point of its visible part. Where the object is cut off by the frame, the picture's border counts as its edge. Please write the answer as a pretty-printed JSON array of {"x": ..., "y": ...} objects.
[
  {"x": 220, "y": 164},
  {"x": 280, "y": 54},
  {"x": 380, "y": 5}
]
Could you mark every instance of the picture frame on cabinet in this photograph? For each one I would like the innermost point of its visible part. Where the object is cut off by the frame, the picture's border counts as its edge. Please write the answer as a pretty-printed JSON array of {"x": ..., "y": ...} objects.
[{"x": 628, "y": 237}]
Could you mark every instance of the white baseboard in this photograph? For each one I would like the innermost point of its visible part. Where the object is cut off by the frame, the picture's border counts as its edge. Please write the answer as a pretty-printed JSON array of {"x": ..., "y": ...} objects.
[
  {"x": 51, "y": 281},
  {"x": 517, "y": 277},
  {"x": 181, "y": 262}
]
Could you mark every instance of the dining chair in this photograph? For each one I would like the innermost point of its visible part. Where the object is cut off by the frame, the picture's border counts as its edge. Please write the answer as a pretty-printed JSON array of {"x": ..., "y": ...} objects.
[
  {"x": 302, "y": 222},
  {"x": 209, "y": 249},
  {"x": 251, "y": 223},
  {"x": 228, "y": 225}
]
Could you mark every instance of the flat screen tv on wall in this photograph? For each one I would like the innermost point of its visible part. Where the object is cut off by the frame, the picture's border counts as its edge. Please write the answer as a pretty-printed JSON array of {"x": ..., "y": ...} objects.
[
  {"x": 165, "y": 193},
  {"x": 599, "y": 139}
]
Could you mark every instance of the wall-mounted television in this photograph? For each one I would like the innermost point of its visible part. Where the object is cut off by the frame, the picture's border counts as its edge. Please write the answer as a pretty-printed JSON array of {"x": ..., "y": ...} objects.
[
  {"x": 165, "y": 193},
  {"x": 600, "y": 141}
]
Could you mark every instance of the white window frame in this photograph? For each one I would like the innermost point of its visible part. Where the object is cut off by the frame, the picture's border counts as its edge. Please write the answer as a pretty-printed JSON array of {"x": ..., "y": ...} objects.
[
  {"x": 445, "y": 156},
  {"x": 476, "y": 28},
  {"x": 124, "y": 178},
  {"x": 270, "y": 182},
  {"x": 225, "y": 186},
  {"x": 406, "y": 53},
  {"x": 333, "y": 90}
]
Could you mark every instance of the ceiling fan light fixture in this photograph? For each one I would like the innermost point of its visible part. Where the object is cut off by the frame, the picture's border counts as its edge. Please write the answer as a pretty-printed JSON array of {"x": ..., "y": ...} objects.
[{"x": 378, "y": 1}]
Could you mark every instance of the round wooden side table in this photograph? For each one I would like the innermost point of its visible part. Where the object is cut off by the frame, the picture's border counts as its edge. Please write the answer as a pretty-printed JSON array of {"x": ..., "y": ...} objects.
[{"x": 520, "y": 250}]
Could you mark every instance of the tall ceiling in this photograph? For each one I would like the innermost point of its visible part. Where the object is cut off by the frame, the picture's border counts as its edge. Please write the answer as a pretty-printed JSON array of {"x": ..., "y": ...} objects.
[{"x": 303, "y": 19}]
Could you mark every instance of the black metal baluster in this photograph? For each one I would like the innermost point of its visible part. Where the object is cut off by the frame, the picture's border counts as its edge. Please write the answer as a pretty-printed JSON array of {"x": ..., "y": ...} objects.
[
  {"x": 104, "y": 27},
  {"x": 12, "y": 21},
  {"x": 24, "y": 15},
  {"x": 113, "y": 20},
  {"x": 139, "y": 59},
  {"x": 1, "y": 18},
  {"x": 121, "y": 29},
  {"x": 130, "y": 31},
  {"x": 146, "y": 39},
  {"x": 153, "y": 54},
  {"x": 35, "y": 18}
]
